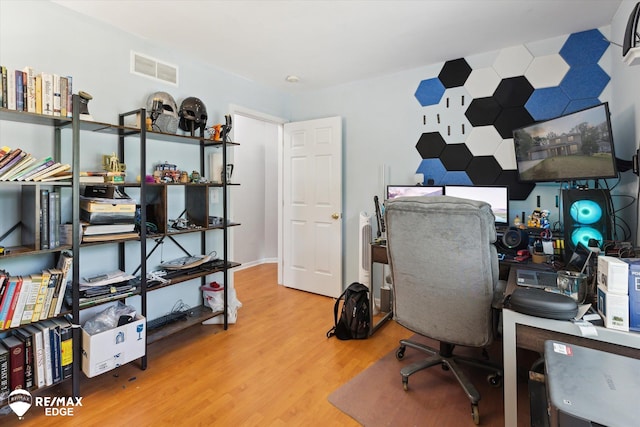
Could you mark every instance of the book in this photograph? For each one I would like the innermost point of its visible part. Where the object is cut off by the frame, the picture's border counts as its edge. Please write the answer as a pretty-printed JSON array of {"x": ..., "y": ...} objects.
[
  {"x": 14, "y": 302},
  {"x": 110, "y": 236},
  {"x": 38, "y": 355},
  {"x": 16, "y": 361},
  {"x": 27, "y": 339},
  {"x": 25, "y": 291},
  {"x": 26, "y": 161},
  {"x": 11, "y": 90},
  {"x": 7, "y": 298},
  {"x": 12, "y": 162},
  {"x": 52, "y": 171},
  {"x": 69, "y": 96},
  {"x": 44, "y": 219},
  {"x": 54, "y": 347},
  {"x": 29, "y": 89},
  {"x": 91, "y": 179},
  {"x": 64, "y": 81},
  {"x": 46, "y": 344},
  {"x": 58, "y": 177},
  {"x": 9, "y": 157},
  {"x": 56, "y": 95},
  {"x": 42, "y": 293},
  {"x": 32, "y": 297},
  {"x": 54, "y": 219},
  {"x": 4, "y": 150},
  {"x": 64, "y": 264},
  {"x": 19, "y": 90},
  {"x": 43, "y": 171},
  {"x": 66, "y": 347},
  {"x": 93, "y": 229},
  {"x": 3, "y": 79},
  {"x": 47, "y": 94},
  {"x": 37, "y": 167},
  {"x": 38, "y": 93},
  {"x": 4, "y": 374},
  {"x": 55, "y": 277}
]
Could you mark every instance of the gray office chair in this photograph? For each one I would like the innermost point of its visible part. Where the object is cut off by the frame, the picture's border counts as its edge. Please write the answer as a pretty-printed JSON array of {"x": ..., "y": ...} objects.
[{"x": 444, "y": 270}]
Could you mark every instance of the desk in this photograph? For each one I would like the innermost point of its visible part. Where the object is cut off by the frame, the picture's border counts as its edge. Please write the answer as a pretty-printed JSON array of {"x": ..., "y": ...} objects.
[
  {"x": 378, "y": 255},
  {"x": 530, "y": 332}
]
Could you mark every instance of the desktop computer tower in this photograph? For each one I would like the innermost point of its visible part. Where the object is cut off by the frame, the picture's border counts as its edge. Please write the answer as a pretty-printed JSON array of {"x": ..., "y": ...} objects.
[{"x": 586, "y": 216}]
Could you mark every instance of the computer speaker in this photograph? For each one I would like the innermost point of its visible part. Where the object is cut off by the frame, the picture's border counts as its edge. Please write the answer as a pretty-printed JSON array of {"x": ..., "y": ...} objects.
[
  {"x": 513, "y": 240},
  {"x": 586, "y": 217}
]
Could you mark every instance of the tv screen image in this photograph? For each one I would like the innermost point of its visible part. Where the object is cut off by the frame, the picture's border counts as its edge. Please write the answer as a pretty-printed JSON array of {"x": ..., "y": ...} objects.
[
  {"x": 572, "y": 147},
  {"x": 394, "y": 191},
  {"x": 496, "y": 196}
]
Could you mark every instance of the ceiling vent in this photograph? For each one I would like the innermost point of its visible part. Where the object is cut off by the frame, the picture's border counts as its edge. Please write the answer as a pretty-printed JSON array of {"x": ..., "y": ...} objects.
[{"x": 147, "y": 66}]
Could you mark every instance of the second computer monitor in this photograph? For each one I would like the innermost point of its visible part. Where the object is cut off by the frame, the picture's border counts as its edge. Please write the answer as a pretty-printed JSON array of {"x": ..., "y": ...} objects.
[
  {"x": 496, "y": 196},
  {"x": 394, "y": 191}
]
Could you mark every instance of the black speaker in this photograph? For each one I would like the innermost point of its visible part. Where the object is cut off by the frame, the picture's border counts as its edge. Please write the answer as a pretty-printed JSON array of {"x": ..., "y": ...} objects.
[
  {"x": 586, "y": 216},
  {"x": 512, "y": 240}
]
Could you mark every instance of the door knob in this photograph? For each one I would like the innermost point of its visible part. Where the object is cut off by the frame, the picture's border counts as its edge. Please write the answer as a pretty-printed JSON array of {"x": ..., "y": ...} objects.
[{"x": 336, "y": 215}]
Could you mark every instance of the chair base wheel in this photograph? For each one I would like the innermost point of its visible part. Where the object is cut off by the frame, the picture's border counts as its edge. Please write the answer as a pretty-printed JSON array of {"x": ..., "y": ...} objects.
[{"x": 475, "y": 414}]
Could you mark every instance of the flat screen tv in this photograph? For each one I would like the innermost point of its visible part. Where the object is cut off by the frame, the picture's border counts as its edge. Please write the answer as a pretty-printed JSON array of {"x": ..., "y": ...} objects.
[
  {"x": 572, "y": 147},
  {"x": 496, "y": 196},
  {"x": 631, "y": 36},
  {"x": 394, "y": 191}
]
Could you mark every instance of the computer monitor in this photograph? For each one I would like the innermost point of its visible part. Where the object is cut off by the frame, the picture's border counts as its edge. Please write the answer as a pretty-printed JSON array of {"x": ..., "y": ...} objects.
[
  {"x": 394, "y": 191},
  {"x": 496, "y": 196}
]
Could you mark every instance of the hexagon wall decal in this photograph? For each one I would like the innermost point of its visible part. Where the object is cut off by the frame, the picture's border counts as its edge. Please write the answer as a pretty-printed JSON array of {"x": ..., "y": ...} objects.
[
  {"x": 454, "y": 73},
  {"x": 512, "y": 61},
  {"x": 429, "y": 92},
  {"x": 505, "y": 154},
  {"x": 482, "y": 82},
  {"x": 584, "y": 48},
  {"x": 517, "y": 190},
  {"x": 430, "y": 145},
  {"x": 483, "y": 141},
  {"x": 483, "y": 111},
  {"x": 450, "y": 119},
  {"x": 547, "y": 103},
  {"x": 456, "y": 178},
  {"x": 432, "y": 169},
  {"x": 586, "y": 81},
  {"x": 510, "y": 119},
  {"x": 546, "y": 71},
  {"x": 456, "y": 157},
  {"x": 513, "y": 92},
  {"x": 483, "y": 170},
  {"x": 581, "y": 104}
]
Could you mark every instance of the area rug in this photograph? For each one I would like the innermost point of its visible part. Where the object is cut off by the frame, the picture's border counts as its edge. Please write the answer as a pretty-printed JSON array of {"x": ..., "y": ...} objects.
[{"x": 375, "y": 397}]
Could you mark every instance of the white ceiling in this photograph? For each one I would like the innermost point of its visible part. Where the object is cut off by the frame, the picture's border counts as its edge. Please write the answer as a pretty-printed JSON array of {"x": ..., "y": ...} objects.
[{"x": 331, "y": 42}]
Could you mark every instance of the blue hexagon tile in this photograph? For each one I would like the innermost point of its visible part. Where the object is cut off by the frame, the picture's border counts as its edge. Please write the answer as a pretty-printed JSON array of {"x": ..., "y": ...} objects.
[
  {"x": 429, "y": 92},
  {"x": 586, "y": 81},
  {"x": 547, "y": 103},
  {"x": 584, "y": 48},
  {"x": 432, "y": 169}
]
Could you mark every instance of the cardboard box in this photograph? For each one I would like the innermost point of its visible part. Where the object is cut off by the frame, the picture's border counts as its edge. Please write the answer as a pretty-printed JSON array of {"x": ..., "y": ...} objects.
[
  {"x": 107, "y": 350},
  {"x": 634, "y": 293},
  {"x": 614, "y": 309},
  {"x": 613, "y": 273}
]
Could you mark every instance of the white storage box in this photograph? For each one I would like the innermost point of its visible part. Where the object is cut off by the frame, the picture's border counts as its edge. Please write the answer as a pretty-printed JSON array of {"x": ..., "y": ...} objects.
[
  {"x": 614, "y": 309},
  {"x": 107, "y": 350},
  {"x": 613, "y": 273}
]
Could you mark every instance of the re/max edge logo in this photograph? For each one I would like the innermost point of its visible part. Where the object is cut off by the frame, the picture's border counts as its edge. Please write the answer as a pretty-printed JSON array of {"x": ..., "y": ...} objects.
[{"x": 21, "y": 400}]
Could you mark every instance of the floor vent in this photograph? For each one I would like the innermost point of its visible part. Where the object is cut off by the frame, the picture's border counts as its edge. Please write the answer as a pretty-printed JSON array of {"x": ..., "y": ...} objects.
[{"x": 147, "y": 66}]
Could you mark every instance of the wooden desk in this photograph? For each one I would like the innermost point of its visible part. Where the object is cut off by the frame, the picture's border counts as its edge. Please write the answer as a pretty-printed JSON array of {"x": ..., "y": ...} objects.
[
  {"x": 530, "y": 332},
  {"x": 378, "y": 255}
]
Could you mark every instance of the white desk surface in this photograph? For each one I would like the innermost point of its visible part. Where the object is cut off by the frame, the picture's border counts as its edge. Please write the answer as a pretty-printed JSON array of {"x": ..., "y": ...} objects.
[{"x": 511, "y": 318}]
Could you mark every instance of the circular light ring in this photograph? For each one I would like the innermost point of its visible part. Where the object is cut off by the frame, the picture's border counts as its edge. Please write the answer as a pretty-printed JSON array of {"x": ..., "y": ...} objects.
[
  {"x": 585, "y": 211},
  {"x": 583, "y": 234}
]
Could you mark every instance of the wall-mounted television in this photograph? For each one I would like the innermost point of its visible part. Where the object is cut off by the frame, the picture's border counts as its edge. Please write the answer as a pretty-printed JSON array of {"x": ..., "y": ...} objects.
[
  {"x": 572, "y": 147},
  {"x": 496, "y": 196},
  {"x": 394, "y": 191},
  {"x": 631, "y": 36}
]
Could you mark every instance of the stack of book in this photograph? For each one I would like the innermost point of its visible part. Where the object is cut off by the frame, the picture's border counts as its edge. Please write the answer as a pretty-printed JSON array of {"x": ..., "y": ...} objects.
[
  {"x": 105, "y": 287},
  {"x": 36, "y": 355},
  {"x": 107, "y": 218},
  {"x": 40, "y": 93},
  {"x": 18, "y": 165}
]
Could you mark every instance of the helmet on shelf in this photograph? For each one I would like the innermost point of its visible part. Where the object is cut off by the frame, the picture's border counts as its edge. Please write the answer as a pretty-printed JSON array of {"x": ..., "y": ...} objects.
[
  {"x": 193, "y": 114},
  {"x": 163, "y": 110}
]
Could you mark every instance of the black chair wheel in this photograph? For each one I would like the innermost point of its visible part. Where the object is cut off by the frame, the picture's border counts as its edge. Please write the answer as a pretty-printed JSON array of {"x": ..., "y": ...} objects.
[
  {"x": 400, "y": 353},
  {"x": 445, "y": 367},
  {"x": 495, "y": 380},
  {"x": 405, "y": 383}
]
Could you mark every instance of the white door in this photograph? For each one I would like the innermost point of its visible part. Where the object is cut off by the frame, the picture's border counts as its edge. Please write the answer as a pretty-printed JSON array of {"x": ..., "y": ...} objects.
[{"x": 312, "y": 206}]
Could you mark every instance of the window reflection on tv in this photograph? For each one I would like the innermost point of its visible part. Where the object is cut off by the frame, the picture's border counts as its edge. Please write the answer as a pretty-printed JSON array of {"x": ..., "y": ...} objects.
[{"x": 571, "y": 147}]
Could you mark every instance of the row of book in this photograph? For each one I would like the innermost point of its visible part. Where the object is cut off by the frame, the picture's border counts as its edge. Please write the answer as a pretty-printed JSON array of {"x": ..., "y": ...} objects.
[
  {"x": 36, "y": 355},
  {"x": 31, "y": 298},
  {"x": 18, "y": 165},
  {"x": 40, "y": 93}
]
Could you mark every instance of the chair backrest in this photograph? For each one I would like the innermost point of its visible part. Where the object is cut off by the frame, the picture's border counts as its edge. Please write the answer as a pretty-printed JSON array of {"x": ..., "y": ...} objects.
[{"x": 444, "y": 267}]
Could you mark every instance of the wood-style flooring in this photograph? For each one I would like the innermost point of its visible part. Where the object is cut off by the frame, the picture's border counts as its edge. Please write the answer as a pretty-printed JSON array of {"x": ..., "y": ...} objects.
[{"x": 274, "y": 367}]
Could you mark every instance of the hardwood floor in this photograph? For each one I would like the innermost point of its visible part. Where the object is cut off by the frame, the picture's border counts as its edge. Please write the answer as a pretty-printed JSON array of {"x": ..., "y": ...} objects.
[{"x": 274, "y": 367}]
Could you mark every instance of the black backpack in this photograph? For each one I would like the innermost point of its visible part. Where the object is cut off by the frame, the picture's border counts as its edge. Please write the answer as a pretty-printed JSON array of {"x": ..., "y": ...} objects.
[{"x": 354, "y": 319}]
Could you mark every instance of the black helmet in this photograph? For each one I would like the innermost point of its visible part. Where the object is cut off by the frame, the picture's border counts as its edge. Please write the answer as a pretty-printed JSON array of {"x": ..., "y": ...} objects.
[{"x": 193, "y": 114}]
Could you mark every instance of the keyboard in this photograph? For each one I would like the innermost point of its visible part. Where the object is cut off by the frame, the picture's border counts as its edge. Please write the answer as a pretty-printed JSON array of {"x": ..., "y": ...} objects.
[
  {"x": 536, "y": 278},
  {"x": 166, "y": 319}
]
